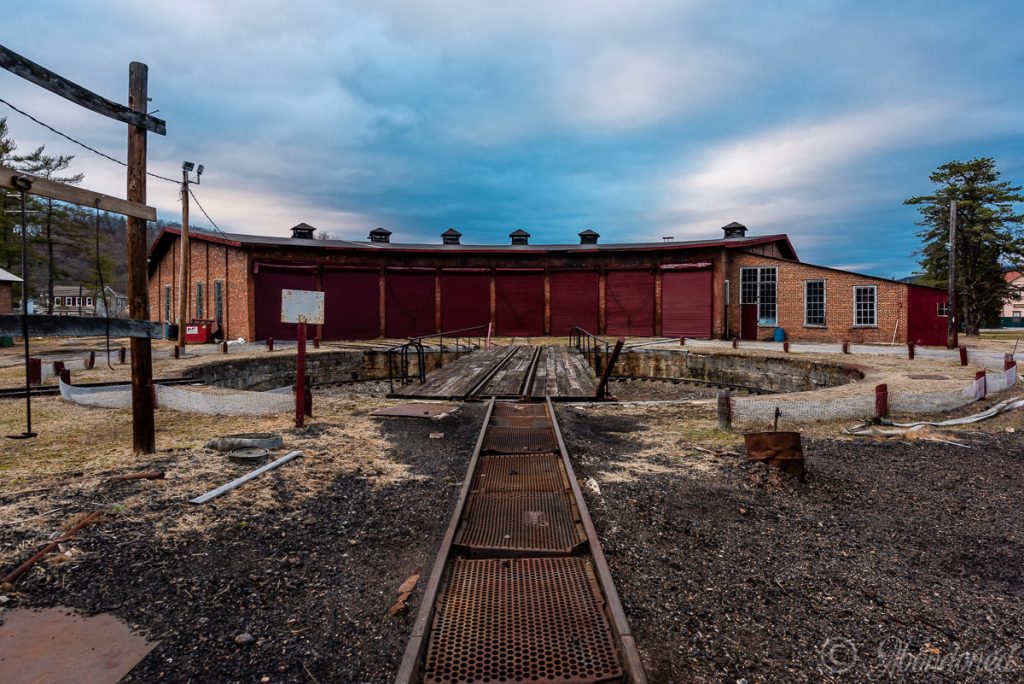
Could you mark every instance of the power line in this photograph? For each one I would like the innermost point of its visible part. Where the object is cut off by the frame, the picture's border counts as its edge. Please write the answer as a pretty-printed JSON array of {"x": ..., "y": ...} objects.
[
  {"x": 193, "y": 195},
  {"x": 81, "y": 144}
]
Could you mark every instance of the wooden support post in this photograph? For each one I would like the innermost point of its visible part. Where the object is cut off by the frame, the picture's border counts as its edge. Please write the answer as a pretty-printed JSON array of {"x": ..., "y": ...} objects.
[
  {"x": 58, "y": 367},
  {"x": 785, "y": 346},
  {"x": 35, "y": 371},
  {"x": 270, "y": 344},
  {"x": 224, "y": 347},
  {"x": 143, "y": 391},
  {"x": 951, "y": 331},
  {"x": 881, "y": 401},
  {"x": 300, "y": 376},
  {"x": 724, "y": 410},
  {"x": 65, "y": 376},
  {"x": 122, "y": 355},
  {"x": 602, "y": 386},
  {"x": 177, "y": 351},
  {"x": 90, "y": 362},
  {"x": 963, "y": 355},
  {"x": 735, "y": 343},
  {"x": 316, "y": 343},
  {"x": 910, "y": 350},
  {"x": 682, "y": 341},
  {"x": 846, "y": 347},
  {"x": 184, "y": 263}
]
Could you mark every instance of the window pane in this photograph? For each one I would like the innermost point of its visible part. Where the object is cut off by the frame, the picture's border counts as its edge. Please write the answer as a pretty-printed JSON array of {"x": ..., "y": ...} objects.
[
  {"x": 218, "y": 301},
  {"x": 748, "y": 286},
  {"x": 814, "y": 302},
  {"x": 864, "y": 305},
  {"x": 199, "y": 300}
]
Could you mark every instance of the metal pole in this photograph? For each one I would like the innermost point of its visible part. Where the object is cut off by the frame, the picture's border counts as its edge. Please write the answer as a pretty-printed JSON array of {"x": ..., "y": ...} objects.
[
  {"x": 951, "y": 291},
  {"x": 24, "y": 320},
  {"x": 300, "y": 376}
]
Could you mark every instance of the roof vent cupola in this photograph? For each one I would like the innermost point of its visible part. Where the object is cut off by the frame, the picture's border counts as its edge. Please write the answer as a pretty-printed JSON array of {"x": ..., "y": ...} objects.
[
  {"x": 588, "y": 237},
  {"x": 451, "y": 237},
  {"x": 735, "y": 230},
  {"x": 380, "y": 235},
  {"x": 519, "y": 237},
  {"x": 303, "y": 231}
]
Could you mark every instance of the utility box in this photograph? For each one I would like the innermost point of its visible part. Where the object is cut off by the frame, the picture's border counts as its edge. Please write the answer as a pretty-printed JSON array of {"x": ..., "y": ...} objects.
[{"x": 200, "y": 331}]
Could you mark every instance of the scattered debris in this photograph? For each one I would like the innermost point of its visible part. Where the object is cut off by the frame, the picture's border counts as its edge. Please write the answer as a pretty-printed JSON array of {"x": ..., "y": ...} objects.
[
  {"x": 436, "y": 435},
  {"x": 144, "y": 475},
  {"x": 262, "y": 440},
  {"x": 89, "y": 519},
  {"x": 917, "y": 432},
  {"x": 244, "y": 638},
  {"x": 414, "y": 410},
  {"x": 995, "y": 410},
  {"x": 223, "y": 489},
  {"x": 57, "y": 645},
  {"x": 404, "y": 591}
]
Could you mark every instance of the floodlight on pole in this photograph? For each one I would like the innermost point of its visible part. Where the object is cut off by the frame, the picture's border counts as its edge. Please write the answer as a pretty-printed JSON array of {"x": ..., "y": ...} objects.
[{"x": 187, "y": 166}]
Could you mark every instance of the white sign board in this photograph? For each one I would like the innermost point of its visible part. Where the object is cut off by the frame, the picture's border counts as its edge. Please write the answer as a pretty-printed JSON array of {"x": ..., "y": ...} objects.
[{"x": 302, "y": 306}]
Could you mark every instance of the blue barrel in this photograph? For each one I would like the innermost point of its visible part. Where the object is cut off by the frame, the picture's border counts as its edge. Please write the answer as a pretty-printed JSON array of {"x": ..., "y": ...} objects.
[{"x": 780, "y": 335}]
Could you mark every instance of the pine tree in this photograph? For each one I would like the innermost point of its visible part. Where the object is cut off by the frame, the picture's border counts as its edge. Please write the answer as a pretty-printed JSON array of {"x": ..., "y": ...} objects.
[
  {"x": 8, "y": 249},
  {"x": 57, "y": 227},
  {"x": 989, "y": 237}
]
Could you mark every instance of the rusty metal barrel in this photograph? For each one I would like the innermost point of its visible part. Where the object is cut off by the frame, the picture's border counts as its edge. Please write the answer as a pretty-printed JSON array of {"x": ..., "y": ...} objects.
[{"x": 780, "y": 449}]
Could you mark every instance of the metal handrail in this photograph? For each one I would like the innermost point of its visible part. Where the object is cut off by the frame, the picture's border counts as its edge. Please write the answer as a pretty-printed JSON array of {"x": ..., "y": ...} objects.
[
  {"x": 403, "y": 351},
  {"x": 400, "y": 354},
  {"x": 593, "y": 348},
  {"x": 458, "y": 334}
]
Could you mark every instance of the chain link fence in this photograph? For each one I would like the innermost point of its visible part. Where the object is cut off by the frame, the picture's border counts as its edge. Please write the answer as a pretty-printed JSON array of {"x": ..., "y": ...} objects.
[{"x": 206, "y": 400}]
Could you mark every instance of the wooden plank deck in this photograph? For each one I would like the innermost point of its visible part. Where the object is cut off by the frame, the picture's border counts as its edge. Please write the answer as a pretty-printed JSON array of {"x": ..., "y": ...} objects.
[{"x": 561, "y": 372}]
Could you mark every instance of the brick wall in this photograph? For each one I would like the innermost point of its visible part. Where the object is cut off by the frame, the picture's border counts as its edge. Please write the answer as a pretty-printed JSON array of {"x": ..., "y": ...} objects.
[
  {"x": 5, "y": 298},
  {"x": 210, "y": 263},
  {"x": 891, "y": 302}
]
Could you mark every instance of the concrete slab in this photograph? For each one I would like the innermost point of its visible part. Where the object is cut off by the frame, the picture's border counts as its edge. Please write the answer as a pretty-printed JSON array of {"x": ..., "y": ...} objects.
[
  {"x": 57, "y": 645},
  {"x": 414, "y": 410}
]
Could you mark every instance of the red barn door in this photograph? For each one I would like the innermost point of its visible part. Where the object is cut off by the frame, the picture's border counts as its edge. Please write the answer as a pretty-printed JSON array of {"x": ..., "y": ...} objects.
[
  {"x": 629, "y": 303},
  {"x": 924, "y": 324},
  {"x": 686, "y": 302},
  {"x": 351, "y": 304},
  {"x": 574, "y": 301},
  {"x": 268, "y": 281},
  {"x": 409, "y": 302},
  {"x": 519, "y": 302},
  {"x": 465, "y": 298}
]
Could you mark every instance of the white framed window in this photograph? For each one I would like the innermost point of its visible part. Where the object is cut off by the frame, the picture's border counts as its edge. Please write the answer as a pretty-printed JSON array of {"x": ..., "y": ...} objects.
[
  {"x": 218, "y": 301},
  {"x": 942, "y": 309},
  {"x": 1016, "y": 314},
  {"x": 759, "y": 285},
  {"x": 78, "y": 301},
  {"x": 814, "y": 303},
  {"x": 88, "y": 301},
  {"x": 865, "y": 306}
]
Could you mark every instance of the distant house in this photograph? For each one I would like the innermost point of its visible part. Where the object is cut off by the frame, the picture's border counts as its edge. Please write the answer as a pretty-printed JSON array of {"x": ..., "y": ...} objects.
[
  {"x": 1013, "y": 306},
  {"x": 82, "y": 300},
  {"x": 6, "y": 280}
]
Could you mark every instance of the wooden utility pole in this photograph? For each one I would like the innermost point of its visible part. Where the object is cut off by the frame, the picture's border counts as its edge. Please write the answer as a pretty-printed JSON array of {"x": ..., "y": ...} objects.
[
  {"x": 143, "y": 424},
  {"x": 951, "y": 336},
  {"x": 184, "y": 261}
]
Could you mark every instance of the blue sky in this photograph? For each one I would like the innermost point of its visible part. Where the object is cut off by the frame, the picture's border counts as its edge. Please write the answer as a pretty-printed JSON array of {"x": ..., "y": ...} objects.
[{"x": 639, "y": 120}]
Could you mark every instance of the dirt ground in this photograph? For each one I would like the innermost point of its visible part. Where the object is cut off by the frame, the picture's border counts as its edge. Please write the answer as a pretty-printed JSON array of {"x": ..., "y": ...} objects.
[{"x": 891, "y": 553}]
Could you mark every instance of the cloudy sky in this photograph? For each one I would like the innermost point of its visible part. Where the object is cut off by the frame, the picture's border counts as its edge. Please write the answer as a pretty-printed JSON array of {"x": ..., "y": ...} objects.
[{"x": 637, "y": 119}]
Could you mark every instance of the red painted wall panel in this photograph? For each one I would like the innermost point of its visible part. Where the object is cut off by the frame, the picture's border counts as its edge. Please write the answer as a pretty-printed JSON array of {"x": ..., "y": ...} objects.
[
  {"x": 268, "y": 284},
  {"x": 409, "y": 302},
  {"x": 351, "y": 304},
  {"x": 924, "y": 325},
  {"x": 574, "y": 301},
  {"x": 519, "y": 303},
  {"x": 686, "y": 303},
  {"x": 465, "y": 299},
  {"x": 629, "y": 303}
]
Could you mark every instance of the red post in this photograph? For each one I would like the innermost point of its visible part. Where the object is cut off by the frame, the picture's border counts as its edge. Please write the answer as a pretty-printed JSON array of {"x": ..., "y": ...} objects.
[
  {"x": 177, "y": 351},
  {"x": 300, "y": 376},
  {"x": 35, "y": 371},
  {"x": 308, "y": 398},
  {"x": 980, "y": 375},
  {"x": 270, "y": 344},
  {"x": 316, "y": 342},
  {"x": 65, "y": 376},
  {"x": 682, "y": 341},
  {"x": 122, "y": 355},
  {"x": 910, "y": 350},
  {"x": 602, "y": 385},
  {"x": 846, "y": 347},
  {"x": 91, "y": 361},
  {"x": 224, "y": 347},
  {"x": 963, "y": 355},
  {"x": 58, "y": 366},
  {"x": 1008, "y": 361},
  {"x": 881, "y": 401},
  {"x": 735, "y": 343},
  {"x": 785, "y": 346}
]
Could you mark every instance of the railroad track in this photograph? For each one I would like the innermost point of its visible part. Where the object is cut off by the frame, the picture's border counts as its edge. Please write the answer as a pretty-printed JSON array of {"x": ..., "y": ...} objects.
[
  {"x": 520, "y": 590},
  {"x": 51, "y": 390}
]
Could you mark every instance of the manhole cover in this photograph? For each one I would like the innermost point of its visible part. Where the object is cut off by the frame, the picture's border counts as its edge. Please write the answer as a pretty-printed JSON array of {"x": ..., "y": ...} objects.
[{"x": 249, "y": 455}]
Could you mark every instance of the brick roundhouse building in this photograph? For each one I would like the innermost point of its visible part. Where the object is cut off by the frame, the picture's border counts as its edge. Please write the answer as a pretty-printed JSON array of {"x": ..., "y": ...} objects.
[{"x": 730, "y": 286}]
